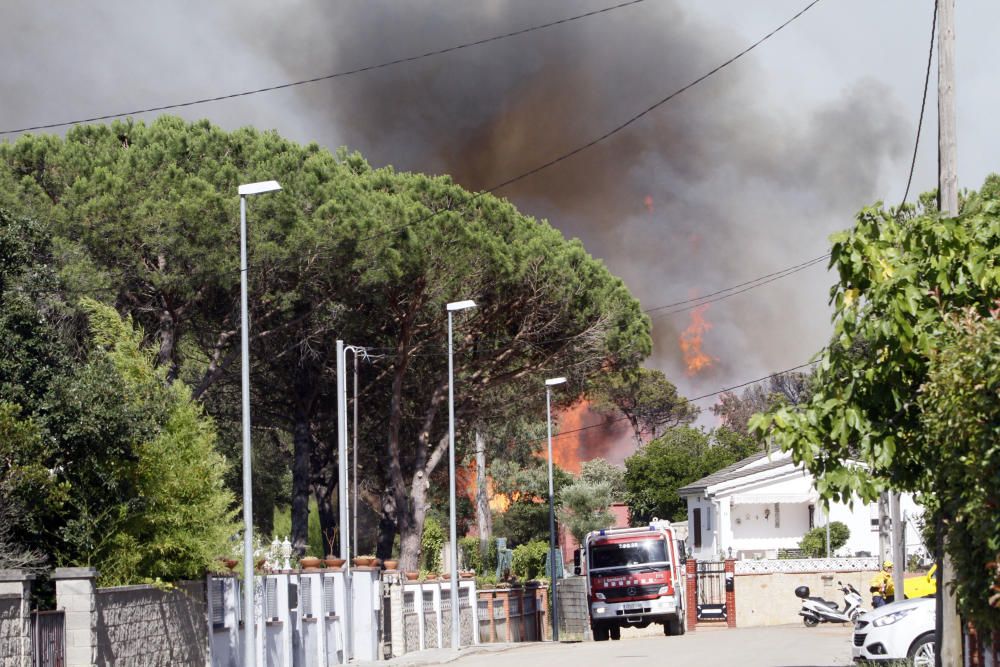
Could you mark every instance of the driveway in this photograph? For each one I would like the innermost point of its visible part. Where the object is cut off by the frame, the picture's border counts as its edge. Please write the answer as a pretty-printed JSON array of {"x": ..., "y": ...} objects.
[{"x": 783, "y": 646}]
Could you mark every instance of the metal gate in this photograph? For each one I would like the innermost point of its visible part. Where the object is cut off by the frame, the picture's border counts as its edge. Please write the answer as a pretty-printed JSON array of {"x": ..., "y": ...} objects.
[
  {"x": 48, "y": 639},
  {"x": 385, "y": 627},
  {"x": 710, "y": 591}
]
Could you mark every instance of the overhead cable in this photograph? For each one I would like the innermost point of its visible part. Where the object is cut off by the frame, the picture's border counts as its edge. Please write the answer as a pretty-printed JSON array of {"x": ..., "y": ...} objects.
[{"x": 325, "y": 77}]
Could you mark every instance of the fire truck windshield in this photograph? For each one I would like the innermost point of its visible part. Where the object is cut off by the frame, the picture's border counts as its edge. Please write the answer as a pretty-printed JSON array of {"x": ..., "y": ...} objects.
[{"x": 626, "y": 554}]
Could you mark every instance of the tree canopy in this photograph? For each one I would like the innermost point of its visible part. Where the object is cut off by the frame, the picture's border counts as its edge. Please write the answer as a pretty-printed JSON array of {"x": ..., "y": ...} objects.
[
  {"x": 902, "y": 277},
  {"x": 646, "y": 398},
  {"x": 680, "y": 456},
  {"x": 144, "y": 217}
]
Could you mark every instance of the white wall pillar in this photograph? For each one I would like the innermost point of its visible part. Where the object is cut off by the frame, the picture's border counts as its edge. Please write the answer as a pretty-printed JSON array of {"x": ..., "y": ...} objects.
[
  {"x": 76, "y": 596},
  {"x": 366, "y": 598}
]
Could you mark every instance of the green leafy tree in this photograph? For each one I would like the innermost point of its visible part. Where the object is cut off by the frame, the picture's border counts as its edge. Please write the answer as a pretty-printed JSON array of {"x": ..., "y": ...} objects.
[
  {"x": 960, "y": 411},
  {"x": 584, "y": 506},
  {"x": 181, "y": 518},
  {"x": 682, "y": 455},
  {"x": 528, "y": 560},
  {"x": 526, "y": 518},
  {"x": 901, "y": 276},
  {"x": 431, "y": 543},
  {"x": 813, "y": 543},
  {"x": 148, "y": 213},
  {"x": 599, "y": 471},
  {"x": 646, "y": 398}
]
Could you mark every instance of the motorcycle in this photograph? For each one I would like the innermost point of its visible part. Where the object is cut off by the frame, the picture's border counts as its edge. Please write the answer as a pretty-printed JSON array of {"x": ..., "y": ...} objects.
[{"x": 816, "y": 610}]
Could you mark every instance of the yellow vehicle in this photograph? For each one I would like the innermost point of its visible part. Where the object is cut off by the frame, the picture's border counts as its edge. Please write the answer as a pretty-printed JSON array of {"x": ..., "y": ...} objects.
[{"x": 922, "y": 586}]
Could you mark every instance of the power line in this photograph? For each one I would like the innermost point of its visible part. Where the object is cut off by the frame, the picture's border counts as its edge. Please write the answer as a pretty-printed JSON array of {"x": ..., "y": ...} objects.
[
  {"x": 655, "y": 105},
  {"x": 923, "y": 105},
  {"x": 779, "y": 274},
  {"x": 593, "y": 142},
  {"x": 325, "y": 77},
  {"x": 680, "y": 403}
]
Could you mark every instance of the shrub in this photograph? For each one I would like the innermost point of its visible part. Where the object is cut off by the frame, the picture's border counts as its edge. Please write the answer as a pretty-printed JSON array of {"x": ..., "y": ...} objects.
[
  {"x": 529, "y": 560},
  {"x": 431, "y": 544},
  {"x": 813, "y": 543}
]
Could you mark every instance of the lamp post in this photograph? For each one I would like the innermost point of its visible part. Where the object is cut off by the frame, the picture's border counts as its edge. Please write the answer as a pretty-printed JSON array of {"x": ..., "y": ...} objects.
[
  {"x": 249, "y": 655},
  {"x": 552, "y": 510},
  {"x": 456, "y": 635}
]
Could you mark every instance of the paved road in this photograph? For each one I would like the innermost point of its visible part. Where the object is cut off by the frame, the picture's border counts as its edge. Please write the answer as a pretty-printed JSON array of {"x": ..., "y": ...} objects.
[{"x": 785, "y": 646}]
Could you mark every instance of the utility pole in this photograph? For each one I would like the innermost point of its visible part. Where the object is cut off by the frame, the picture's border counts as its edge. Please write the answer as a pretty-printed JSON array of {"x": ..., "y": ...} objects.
[
  {"x": 949, "y": 625},
  {"x": 883, "y": 528},
  {"x": 898, "y": 547}
]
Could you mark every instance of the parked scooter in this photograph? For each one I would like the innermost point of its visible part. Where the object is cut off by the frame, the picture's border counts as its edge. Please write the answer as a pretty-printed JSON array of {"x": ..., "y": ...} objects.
[{"x": 816, "y": 610}]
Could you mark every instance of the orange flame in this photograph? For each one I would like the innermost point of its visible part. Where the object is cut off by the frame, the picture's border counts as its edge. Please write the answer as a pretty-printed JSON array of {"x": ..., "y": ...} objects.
[
  {"x": 648, "y": 201},
  {"x": 695, "y": 359}
]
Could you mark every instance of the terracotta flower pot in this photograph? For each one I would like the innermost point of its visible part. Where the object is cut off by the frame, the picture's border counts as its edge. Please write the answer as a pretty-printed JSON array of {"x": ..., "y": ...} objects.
[
  {"x": 364, "y": 561},
  {"x": 309, "y": 562},
  {"x": 391, "y": 564},
  {"x": 467, "y": 574},
  {"x": 412, "y": 576},
  {"x": 334, "y": 562}
]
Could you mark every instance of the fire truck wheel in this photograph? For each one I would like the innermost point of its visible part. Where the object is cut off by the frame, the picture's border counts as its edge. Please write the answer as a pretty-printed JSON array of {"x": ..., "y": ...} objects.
[
  {"x": 616, "y": 632},
  {"x": 674, "y": 627},
  {"x": 601, "y": 632}
]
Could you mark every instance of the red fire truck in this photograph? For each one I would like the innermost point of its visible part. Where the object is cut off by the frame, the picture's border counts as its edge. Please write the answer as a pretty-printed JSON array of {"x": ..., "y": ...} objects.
[{"x": 634, "y": 578}]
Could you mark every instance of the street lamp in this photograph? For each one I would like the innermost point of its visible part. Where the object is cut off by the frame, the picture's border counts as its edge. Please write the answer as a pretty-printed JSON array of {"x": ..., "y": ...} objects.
[
  {"x": 552, "y": 511},
  {"x": 456, "y": 636},
  {"x": 249, "y": 654}
]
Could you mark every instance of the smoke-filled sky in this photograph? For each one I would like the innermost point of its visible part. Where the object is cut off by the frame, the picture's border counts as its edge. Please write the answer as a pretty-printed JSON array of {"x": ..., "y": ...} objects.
[{"x": 738, "y": 177}]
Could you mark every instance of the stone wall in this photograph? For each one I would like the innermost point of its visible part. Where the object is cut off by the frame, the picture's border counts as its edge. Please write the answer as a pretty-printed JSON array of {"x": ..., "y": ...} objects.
[
  {"x": 574, "y": 614},
  {"x": 769, "y": 599},
  {"x": 10, "y": 629},
  {"x": 142, "y": 625}
]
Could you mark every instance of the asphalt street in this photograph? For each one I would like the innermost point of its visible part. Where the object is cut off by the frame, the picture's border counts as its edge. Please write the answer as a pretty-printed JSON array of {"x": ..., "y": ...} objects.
[{"x": 784, "y": 646}]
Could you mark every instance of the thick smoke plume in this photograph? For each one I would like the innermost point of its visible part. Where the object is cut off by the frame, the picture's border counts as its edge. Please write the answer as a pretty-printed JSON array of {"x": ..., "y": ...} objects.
[{"x": 727, "y": 182}]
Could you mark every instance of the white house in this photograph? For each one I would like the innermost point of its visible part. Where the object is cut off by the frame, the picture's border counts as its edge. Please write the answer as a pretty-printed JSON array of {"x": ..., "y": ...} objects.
[{"x": 765, "y": 503}]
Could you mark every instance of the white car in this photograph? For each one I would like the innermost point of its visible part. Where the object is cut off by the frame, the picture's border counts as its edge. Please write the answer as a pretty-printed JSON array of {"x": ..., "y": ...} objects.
[{"x": 901, "y": 630}]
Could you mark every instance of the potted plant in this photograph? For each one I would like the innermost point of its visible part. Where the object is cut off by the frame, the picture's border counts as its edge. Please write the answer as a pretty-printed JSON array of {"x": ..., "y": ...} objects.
[
  {"x": 309, "y": 562},
  {"x": 412, "y": 576},
  {"x": 391, "y": 564},
  {"x": 333, "y": 562}
]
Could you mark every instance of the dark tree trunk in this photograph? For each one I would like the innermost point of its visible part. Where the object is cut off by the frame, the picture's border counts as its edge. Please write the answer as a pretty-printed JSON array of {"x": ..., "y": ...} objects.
[
  {"x": 386, "y": 530},
  {"x": 300, "y": 482},
  {"x": 326, "y": 502}
]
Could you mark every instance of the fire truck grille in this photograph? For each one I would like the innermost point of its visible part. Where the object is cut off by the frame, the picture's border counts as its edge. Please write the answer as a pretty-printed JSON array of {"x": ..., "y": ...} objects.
[{"x": 631, "y": 592}]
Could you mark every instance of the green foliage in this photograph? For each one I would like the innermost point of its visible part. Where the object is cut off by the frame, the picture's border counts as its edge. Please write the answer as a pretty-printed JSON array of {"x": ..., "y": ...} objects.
[
  {"x": 474, "y": 557},
  {"x": 470, "y": 554},
  {"x": 528, "y": 561},
  {"x": 527, "y": 487},
  {"x": 813, "y": 543},
  {"x": 646, "y": 397},
  {"x": 599, "y": 471},
  {"x": 181, "y": 518},
  {"x": 431, "y": 544},
  {"x": 960, "y": 410},
  {"x": 146, "y": 215},
  {"x": 900, "y": 279},
  {"x": 283, "y": 528},
  {"x": 682, "y": 455},
  {"x": 583, "y": 507}
]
